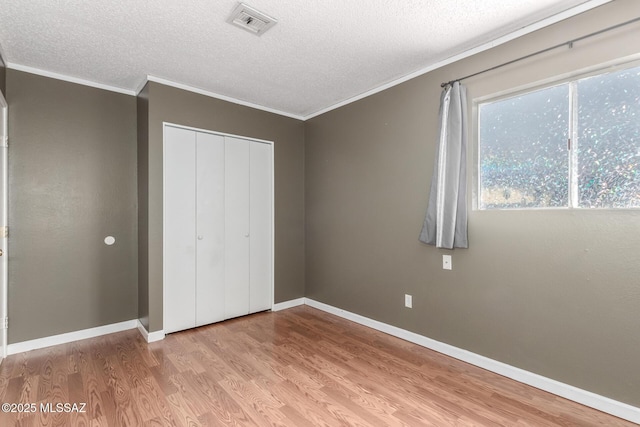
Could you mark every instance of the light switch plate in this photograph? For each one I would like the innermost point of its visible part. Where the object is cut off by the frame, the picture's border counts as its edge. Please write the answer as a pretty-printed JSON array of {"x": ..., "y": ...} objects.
[
  {"x": 446, "y": 262},
  {"x": 408, "y": 301}
]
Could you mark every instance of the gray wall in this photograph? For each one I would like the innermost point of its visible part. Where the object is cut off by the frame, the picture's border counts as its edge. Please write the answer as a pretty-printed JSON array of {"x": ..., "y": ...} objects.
[
  {"x": 190, "y": 109},
  {"x": 143, "y": 205},
  {"x": 554, "y": 292},
  {"x": 71, "y": 178}
]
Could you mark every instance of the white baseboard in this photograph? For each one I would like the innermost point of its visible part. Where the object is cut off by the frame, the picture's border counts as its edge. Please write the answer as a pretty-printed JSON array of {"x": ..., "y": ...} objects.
[
  {"x": 587, "y": 398},
  {"x": 19, "y": 347},
  {"x": 288, "y": 304},
  {"x": 150, "y": 336}
]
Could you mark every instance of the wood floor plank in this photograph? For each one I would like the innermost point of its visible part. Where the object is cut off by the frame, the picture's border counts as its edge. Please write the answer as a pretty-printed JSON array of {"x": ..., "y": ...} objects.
[
  {"x": 220, "y": 402},
  {"x": 421, "y": 384},
  {"x": 8, "y": 365},
  {"x": 295, "y": 418},
  {"x": 181, "y": 410},
  {"x": 297, "y": 367},
  {"x": 341, "y": 389},
  {"x": 149, "y": 404},
  {"x": 251, "y": 403},
  {"x": 99, "y": 422},
  {"x": 309, "y": 409}
]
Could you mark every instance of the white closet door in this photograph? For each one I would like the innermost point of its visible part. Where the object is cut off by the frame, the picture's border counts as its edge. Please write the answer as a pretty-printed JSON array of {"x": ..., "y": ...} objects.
[
  {"x": 210, "y": 218},
  {"x": 237, "y": 227},
  {"x": 261, "y": 211},
  {"x": 179, "y": 229}
]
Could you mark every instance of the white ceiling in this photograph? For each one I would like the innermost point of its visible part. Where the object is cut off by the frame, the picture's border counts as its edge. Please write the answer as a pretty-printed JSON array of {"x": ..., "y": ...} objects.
[{"x": 320, "y": 53}]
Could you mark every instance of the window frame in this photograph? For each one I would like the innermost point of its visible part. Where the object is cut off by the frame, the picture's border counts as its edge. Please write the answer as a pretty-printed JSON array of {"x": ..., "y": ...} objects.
[{"x": 572, "y": 79}]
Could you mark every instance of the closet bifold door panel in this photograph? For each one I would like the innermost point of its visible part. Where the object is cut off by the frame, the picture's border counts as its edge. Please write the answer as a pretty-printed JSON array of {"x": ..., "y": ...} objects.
[
  {"x": 210, "y": 226},
  {"x": 179, "y": 229},
  {"x": 218, "y": 227},
  {"x": 237, "y": 233},
  {"x": 260, "y": 227}
]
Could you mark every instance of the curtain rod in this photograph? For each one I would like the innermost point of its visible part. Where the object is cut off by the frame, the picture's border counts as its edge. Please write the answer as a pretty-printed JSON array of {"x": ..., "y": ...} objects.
[{"x": 567, "y": 43}]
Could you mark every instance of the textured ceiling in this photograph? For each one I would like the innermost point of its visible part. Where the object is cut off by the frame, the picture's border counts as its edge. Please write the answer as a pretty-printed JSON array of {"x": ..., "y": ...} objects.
[{"x": 319, "y": 54}]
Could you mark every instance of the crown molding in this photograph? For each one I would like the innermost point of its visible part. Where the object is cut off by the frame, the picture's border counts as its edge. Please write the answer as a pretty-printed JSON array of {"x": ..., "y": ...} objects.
[
  {"x": 63, "y": 77},
  {"x": 199, "y": 91}
]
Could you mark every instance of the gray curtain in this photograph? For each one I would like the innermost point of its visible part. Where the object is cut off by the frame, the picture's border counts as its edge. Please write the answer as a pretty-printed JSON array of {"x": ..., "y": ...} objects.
[{"x": 445, "y": 224}]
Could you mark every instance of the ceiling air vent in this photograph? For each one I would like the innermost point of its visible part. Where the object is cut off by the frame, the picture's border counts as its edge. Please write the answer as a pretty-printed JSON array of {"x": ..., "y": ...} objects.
[{"x": 251, "y": 20}]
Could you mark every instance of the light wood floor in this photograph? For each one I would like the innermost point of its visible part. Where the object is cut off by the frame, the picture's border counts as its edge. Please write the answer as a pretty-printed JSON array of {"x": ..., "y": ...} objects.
[{"x": 298, "y": 367}]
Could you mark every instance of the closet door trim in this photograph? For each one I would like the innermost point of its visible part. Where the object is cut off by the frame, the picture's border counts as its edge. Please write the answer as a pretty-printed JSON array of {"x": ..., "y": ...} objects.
[
  {"x": 213, "y": 132},
  {"x": 273, "y": 239}
]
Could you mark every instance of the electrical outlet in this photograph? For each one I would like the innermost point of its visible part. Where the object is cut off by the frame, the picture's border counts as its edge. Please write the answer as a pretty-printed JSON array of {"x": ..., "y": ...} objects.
[
  {"x": 446, "y": 262},
  {"x": 408, "y": 301}
]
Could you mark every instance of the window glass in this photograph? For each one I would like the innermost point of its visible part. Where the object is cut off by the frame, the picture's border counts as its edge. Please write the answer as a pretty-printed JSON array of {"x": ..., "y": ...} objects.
[
  {"x": 523, "y": 150},
  {"x": 608, "y": 145},
  {"x": 526, "y": 160}
]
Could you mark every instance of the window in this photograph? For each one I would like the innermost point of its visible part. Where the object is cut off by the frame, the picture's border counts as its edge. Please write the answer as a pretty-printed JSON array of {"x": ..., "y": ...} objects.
[{"x": 572, "y": 145}]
